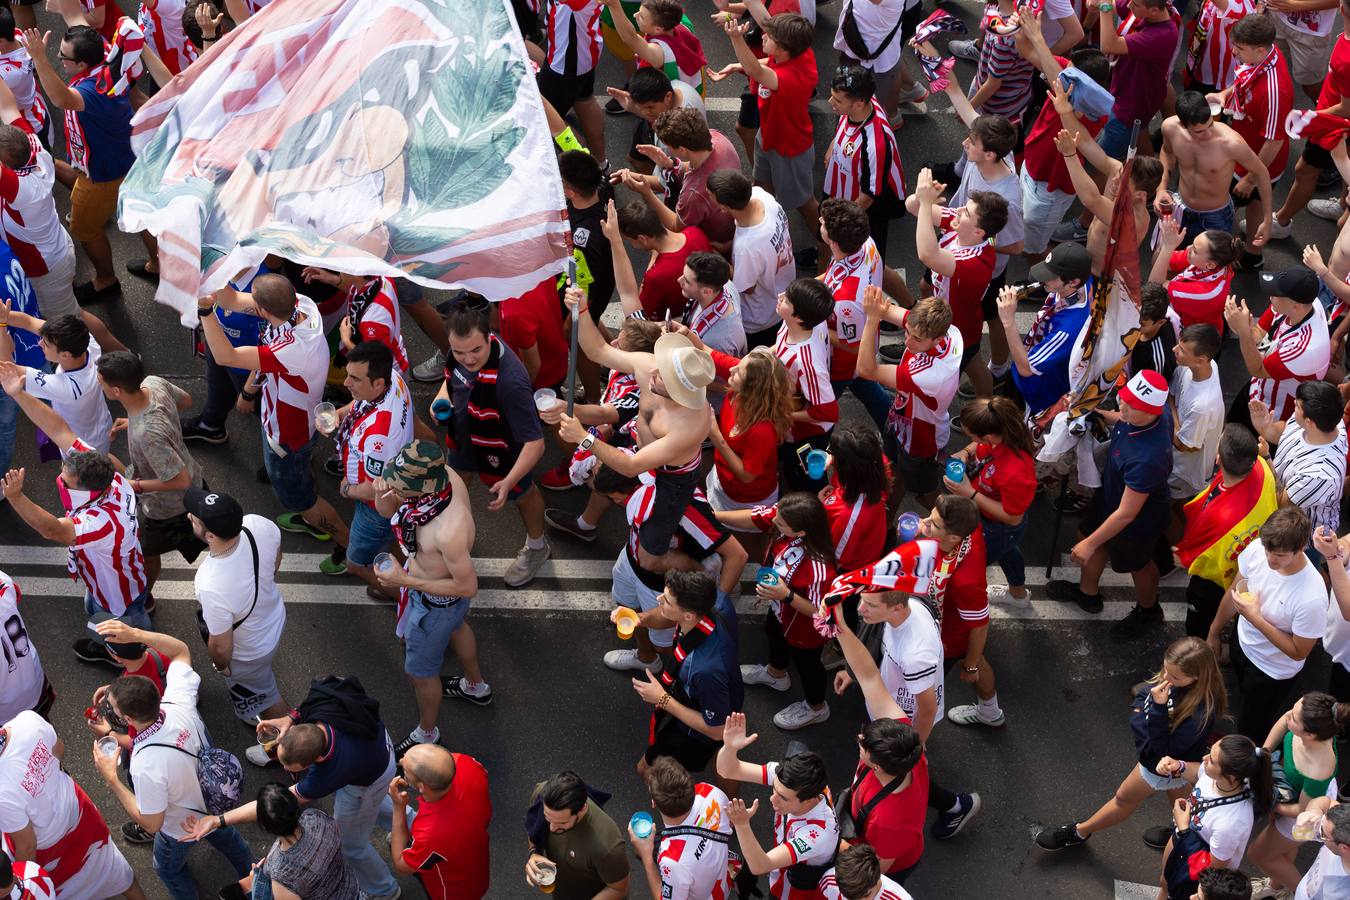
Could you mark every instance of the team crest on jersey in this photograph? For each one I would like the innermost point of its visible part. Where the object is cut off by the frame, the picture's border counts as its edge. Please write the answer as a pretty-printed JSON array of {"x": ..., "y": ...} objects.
[{"x": 851, "y": 148}]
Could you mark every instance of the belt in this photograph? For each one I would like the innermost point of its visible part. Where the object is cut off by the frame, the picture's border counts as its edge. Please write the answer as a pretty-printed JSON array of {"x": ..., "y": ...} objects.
[{"x": 434, "y": 602}]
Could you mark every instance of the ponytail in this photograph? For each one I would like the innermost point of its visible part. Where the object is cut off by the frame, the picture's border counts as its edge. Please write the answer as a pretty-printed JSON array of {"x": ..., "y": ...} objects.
[
  {"x": 1323, "y": 717},
  {"x": 1245, "y": 761},
  {"x": 1224, "y": 247}
]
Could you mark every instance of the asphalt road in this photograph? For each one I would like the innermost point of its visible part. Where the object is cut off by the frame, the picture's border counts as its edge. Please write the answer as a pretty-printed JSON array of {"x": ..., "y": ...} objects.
[{"x": 1062, "y": 681}]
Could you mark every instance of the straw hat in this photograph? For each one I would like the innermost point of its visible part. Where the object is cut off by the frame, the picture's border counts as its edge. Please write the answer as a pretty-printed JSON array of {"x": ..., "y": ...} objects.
[{"x": 685, "y": 370}]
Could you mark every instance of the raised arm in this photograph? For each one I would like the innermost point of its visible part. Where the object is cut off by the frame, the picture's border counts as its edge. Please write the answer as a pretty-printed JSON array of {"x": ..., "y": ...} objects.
[
  {"x": 170, "y": 647},
  {"x": 1067, "y": 144},
  {"x": 593, "y": 344},
  {"x": 648, "y": 52},
  {"x": 880, "y": 702},
  {"x": 625, "y": 282},
  {"x": 53, "y": 85},
  {"x": 734, "y": 740}
]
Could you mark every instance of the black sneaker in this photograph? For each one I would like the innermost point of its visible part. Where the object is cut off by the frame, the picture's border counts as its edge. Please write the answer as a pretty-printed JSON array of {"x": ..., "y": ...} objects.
[
  {"x": 194, "y": 431},
  {"x": 452, "y": 686},
  {"x": 1061, "y": 837},
  {"x": 1138, "y": 622},
  {"x": 565, "y": 521},
  {"x": 407, "y": 744},
  {"x": 1072, "y": 502},
  {"x": 615, "y": 108},
  {"x": 1067, "y": 592},
  {"x": 91, "y": 651},
  {"x": 135, "y": 834},
  {"x": 1157, "y": 836},
  {"x": 889, "y": 327},
  {"x": 1252, "y": 262},
  {"x": 949, "y": 824}
]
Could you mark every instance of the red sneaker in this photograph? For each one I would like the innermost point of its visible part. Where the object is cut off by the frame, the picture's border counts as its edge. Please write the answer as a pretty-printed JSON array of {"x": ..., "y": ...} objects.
[{"x": 556, "y": 479}]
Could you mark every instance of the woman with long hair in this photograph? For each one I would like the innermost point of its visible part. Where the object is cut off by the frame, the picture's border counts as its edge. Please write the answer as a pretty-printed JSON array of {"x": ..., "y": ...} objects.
[
  {"x": 1174, "y": 713},
  {"x": 801, "y": 556},
  {"x": 756, "y": 417},
  {"x": 1001, "y": 479},
  {"x": 855, "y": 497},
  {"x": 1303, "y": 745}
]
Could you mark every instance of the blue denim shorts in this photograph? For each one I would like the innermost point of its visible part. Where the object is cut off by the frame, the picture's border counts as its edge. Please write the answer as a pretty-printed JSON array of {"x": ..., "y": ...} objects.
[
  {"x": 291, "y": 480},
  {"x": 369, "y": 534},
  {"x": 430, "y": 625},
  {"x": 1114, "y": 138}
]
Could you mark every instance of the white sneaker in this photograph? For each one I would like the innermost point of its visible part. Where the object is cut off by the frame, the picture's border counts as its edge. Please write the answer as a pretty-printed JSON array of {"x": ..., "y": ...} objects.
[
  {"x": 627, "y": 660},
  {"x": 430, "y": 369},
  {"x": 526, "y": 565},
  {"x": 969, "y": 714},
  {"x": 258, "y": 756},
  {"x": 1262, "y": 889},
  {"x": 1329, "y": 208},
  {"x": 761, "y": 675},
  {"x": 968, "y": 50},
  {"x": 799, "y": 715},
  {"x": 999, "y": 593},
  {"x": 1278, "y": 230}
]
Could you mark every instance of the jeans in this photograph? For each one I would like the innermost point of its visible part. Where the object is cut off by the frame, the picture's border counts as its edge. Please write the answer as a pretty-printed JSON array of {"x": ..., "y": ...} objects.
[
  {"x": 9, "y": 423},
  {"x": 1002, "y": 546},
  {"x": 262, "y": 886},
  {"x": 357, "y": 811},
  {"x": 1114, "y": 138},
  {"x": 874, "y": 398},
  {"x": 222, "y": 389},
  {"x": 171, "y": 860},
  {"x": 135, "y": 616},
  {"x": 1196, "y": 222}
]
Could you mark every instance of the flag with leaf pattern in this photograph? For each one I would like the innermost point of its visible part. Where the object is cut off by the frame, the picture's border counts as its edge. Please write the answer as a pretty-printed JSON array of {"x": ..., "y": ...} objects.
[{"x": 378, "y": 137}]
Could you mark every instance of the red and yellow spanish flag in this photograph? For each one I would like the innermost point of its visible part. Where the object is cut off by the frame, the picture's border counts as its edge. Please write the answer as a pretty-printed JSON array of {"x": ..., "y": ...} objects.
[{"x": 1221, "y": 523}]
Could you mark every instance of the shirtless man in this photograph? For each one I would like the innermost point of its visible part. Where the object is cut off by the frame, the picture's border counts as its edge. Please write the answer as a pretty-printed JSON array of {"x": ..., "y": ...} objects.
[
  {"x": 1144, "y": 180},
  {"x": 428, "y": 504},
  {"x": 672, "y": 425},
  {"x": 1205, "y": 153}
]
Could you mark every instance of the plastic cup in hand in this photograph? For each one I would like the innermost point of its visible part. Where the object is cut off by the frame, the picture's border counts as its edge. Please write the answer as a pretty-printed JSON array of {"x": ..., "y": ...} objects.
[
  {"x": 107, "y": 746},
  {"x": 1242, "y": 592},
  {"x": 625, "y": 622},
  {"x": 907, "y": 528},
  {"x": 384, "y": 563},
  {"x": 545, "y": 399},
  {"x": 642, "y": 824},
  {"x": 1215, "y": 108},
  {"x": 767, "y": 576},
  {"x": 548, "y": 874},
  {"x": 268, "y": 735},
  {"x": 816, "y": 461},
  {"x": 1307, "y": 828},
  {"x": 441, "y": 409},
  {"x": 326, "y": 417},
  {"x": 956, "y": 470}
]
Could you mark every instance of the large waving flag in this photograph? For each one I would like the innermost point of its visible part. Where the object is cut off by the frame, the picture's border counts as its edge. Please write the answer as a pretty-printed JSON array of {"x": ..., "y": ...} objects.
[
  {"x": 376, "y": 137},
  {"x": 1221, "y": 523}
]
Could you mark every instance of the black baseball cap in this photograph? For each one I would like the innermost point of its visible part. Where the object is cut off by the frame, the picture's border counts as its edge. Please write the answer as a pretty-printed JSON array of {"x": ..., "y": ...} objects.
[
  {"x": 1070, "y": 262},
  {"x": 122, "y": 651},
  {"x": 220, "y": 513},
  {"x": 1298, "y": 283}
]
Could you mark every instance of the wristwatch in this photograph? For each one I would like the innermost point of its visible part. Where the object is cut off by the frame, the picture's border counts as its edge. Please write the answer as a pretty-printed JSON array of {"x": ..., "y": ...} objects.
[
  {"x": 204, "y": 311},
  {"x": 587, "y": 442},
  {"x": 1106, "y": 7}
]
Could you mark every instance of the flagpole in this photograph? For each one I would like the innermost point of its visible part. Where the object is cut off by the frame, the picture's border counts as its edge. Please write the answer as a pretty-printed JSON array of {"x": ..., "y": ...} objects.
[{"x": 576, "y": 325}]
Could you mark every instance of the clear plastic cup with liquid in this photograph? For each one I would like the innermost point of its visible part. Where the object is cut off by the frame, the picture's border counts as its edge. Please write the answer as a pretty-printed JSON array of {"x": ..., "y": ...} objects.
[
  {"x": 107, "y": 746},
  {"x": 545, "y": 399},
  {"x": 1307, "y": 828},
  {"x": 642, "y": 824},
  {"x": 548, "y": 876},
  {"x": 384, "y": 563},
  {"x": 268, "y": 736},
  {"x": 325, "y": 418},
  {"x": 907, "y": 527},
  {"x": 1242, "y": 591},
  {"x": 625, "y": 622}
]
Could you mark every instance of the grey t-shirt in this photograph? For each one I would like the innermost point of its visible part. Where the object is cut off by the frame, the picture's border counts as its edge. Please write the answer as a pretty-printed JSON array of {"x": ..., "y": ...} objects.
[
  {"x": 155, "y": 439},
  {"x": 1009, "y": 187},
  {"x": 313, "y": 866}
]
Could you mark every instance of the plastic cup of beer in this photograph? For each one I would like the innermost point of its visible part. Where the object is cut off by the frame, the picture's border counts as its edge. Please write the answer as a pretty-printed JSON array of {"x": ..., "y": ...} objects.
[
  {"x": 548, "y": 875},
  {"x": 1242, "y": 592},
  {"x": 383, "y": 563},
  {"x": 107, "y": 746},
  {"x": 267, "y": 739},
  {"x": 326, "y": 417},
  {"x": 625, "y": 622},
  {"x": 544, "y": 399},
  {"x": 1307, "y": 828}
]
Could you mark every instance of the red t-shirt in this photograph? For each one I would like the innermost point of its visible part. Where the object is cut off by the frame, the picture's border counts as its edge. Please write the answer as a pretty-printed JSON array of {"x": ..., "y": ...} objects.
[
  {"x": 535, "y": 320},
  {"x": 660, "y": 290},
  {"x": 1195, "y": 295},
  {"x": 758, "y": 449},
  {"x": 894, "y": 828},
  {"x": 965, "y": 602},
  {"x": 111, "y": 14},
  {"x": 964, "y": 289},
  {"x": 153, "y": 665},
  {"x": 1042, "y": 159},
  {"x": 449, "y": 848},
  {"x": 1005, "y": 475},
  {"x": 1337, "y": 83},
  {"x": 784, "y": 114},
  {"x": 858, "y": 529}
]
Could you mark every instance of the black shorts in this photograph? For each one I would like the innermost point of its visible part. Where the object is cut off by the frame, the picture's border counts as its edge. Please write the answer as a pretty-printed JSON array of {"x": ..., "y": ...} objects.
[
  {"x": 748, "y": 117},
  {"x": 989, "y": 302},
  {"x": 1127, "y": 552},
  {"x": 160, "y": 536},
  {"x": 919, "y": 475},
  {"x": 564, "y": 90},
  {"x": 19, "y": 2},
  {"x": 1238, "y": 200},
  {"x": 673, "y": 493},
  {"x": 674, "y": 739},
  {"x": 1317, "y": 157}
]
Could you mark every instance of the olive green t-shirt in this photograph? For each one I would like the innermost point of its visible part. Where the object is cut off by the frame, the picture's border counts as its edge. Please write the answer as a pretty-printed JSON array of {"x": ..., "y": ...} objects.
[{"x": 589, "y": 856}]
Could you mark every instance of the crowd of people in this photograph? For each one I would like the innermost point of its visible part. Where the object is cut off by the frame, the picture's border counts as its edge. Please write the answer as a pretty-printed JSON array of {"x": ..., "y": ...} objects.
[{"x": 706, "y": 407}]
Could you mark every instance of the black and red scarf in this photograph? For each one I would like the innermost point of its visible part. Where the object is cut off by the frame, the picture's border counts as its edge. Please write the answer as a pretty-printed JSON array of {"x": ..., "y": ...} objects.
[
  {"x": 417, "y": 512},
  {"x": 687, "y": 643},
  {"x": 486, "y": 431}
]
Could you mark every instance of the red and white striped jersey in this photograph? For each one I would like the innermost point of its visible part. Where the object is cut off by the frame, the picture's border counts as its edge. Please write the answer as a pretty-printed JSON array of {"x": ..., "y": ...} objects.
[
  {"x": 812, "y": 838},
  {"x": 809, "y": 365},
  {"x": 293, "y": 360},
  {"x": 380, "y": 320},
  {"x": 1262, "y": 98},
  {"x": 28, "y": 211},
  {"x": 31, "y": 882},
  {"x": 829, "y": 889},
  {"x": 925, "y": 385},
  {"x": 383, "y": 429},
  {"x": 572, "y": 36},
  {"x": 864, "y": 159},
  {"x": 16, "y": 68},
  {"x": 1291, "y": 353},
  {"x": 21, "y": 677},
  {"x": 847, "y": 278},
  {"x": 106, "y": 554},
  {"x": 1209, "y": 55},
  {"x": 694, "y": 866},
  {"x": 162, "y": 22}
]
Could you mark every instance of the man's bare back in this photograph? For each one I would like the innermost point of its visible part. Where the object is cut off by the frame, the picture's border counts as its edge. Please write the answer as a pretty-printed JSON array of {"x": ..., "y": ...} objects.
[
  {"x": 1098, "y": 231},
  {"x": 447, "y": 539}
]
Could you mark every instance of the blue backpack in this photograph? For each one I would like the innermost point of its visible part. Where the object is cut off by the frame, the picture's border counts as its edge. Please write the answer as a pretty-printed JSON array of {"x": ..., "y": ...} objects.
[{"x": 219, "y": 774}]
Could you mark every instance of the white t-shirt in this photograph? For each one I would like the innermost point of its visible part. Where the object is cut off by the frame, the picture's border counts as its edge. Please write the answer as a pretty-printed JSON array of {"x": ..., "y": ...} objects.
[
  {"x": 762, "y": 263},
  {"x": 1200, "y": 413},
  {"x": 21, "y": 674},
  {"x": 911, "y": 659},
  {"x": 812, "y": 838},
  {"x": 33, "y": 788},
  {"x": 1326, "y": 880},
  {"x": 1009, "y": 187},
  {"x": 829, "y": 889},
  {"x": 224, "y": 586},
  {"x": 166, "y": 780},
  {"x": 874, "y": 20},
  {"x": 1336, "y": 641},
  {"x": 77, "y": 398},
  {"x": 1295, "y": 604},
  {"x": 1319, "y": 23},
  {"x": 1312, "y": 475},
  {"x": 1225, "y": 828}
]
